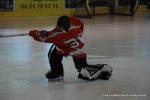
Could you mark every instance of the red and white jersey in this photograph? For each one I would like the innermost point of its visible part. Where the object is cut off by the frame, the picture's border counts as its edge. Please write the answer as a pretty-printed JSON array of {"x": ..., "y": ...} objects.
[{"x": 67, "y": 43}]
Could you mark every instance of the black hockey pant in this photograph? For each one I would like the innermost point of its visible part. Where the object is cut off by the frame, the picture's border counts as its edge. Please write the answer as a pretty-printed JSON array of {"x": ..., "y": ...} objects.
[{"x": 55, "y": 61}]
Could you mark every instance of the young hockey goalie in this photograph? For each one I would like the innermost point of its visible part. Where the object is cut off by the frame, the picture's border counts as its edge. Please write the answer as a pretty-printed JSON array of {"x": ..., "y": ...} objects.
[{"x": 67, "y": 40}]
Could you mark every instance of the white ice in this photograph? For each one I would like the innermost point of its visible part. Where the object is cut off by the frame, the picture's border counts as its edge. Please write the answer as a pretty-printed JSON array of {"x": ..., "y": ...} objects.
[{"x": 121, "y": 41}]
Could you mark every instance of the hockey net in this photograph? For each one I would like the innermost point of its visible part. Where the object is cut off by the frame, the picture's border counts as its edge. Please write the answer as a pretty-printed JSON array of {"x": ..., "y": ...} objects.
[{"x": 86, "y": 8}]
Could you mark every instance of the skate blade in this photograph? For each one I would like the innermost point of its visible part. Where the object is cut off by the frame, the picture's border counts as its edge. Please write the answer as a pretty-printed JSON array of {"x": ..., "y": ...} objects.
[{"x": 56, "y": 79}]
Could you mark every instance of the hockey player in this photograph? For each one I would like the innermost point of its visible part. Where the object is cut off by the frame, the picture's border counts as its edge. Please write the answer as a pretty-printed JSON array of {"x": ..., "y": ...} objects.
[{"x": 67, "y": 40}]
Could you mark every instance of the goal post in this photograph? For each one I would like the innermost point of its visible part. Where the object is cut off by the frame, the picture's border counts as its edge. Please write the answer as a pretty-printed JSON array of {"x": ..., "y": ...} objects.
[{"x": 85, "y": 8}]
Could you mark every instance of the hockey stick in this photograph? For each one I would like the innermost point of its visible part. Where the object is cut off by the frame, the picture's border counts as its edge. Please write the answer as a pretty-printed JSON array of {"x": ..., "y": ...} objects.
[{"x": 13, "y": 35}]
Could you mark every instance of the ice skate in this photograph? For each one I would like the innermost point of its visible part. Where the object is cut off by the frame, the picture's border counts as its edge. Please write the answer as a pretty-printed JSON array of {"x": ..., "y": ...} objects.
[{"x": 52, "y": 76}]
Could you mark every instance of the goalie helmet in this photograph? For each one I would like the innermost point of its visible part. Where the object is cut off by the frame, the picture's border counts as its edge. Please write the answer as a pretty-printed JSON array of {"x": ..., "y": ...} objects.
[{"x": 64, "y": 23}]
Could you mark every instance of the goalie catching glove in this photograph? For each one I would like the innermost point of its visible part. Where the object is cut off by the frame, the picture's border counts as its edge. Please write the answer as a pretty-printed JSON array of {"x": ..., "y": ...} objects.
[{"x": 94, "y": 72}]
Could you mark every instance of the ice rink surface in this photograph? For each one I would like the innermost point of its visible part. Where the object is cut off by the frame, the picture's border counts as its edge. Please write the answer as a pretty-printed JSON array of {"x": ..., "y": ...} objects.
[{"x": 121, "y": 41}]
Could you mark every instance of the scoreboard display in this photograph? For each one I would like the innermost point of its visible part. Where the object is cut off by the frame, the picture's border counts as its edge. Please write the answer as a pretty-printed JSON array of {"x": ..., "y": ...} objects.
[{"x": 6, "y": 5}]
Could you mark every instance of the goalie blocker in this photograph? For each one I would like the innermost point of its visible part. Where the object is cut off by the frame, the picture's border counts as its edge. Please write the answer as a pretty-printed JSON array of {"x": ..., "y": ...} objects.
[{"x": 94, "y": 72}]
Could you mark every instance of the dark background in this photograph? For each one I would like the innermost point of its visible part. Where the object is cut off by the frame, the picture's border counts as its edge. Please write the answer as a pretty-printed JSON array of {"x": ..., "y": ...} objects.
[{"x": 100, "y": 3}]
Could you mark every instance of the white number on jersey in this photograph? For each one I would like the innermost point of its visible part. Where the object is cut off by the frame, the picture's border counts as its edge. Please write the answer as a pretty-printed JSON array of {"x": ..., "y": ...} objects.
[{"x": 72, "y": 42}]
